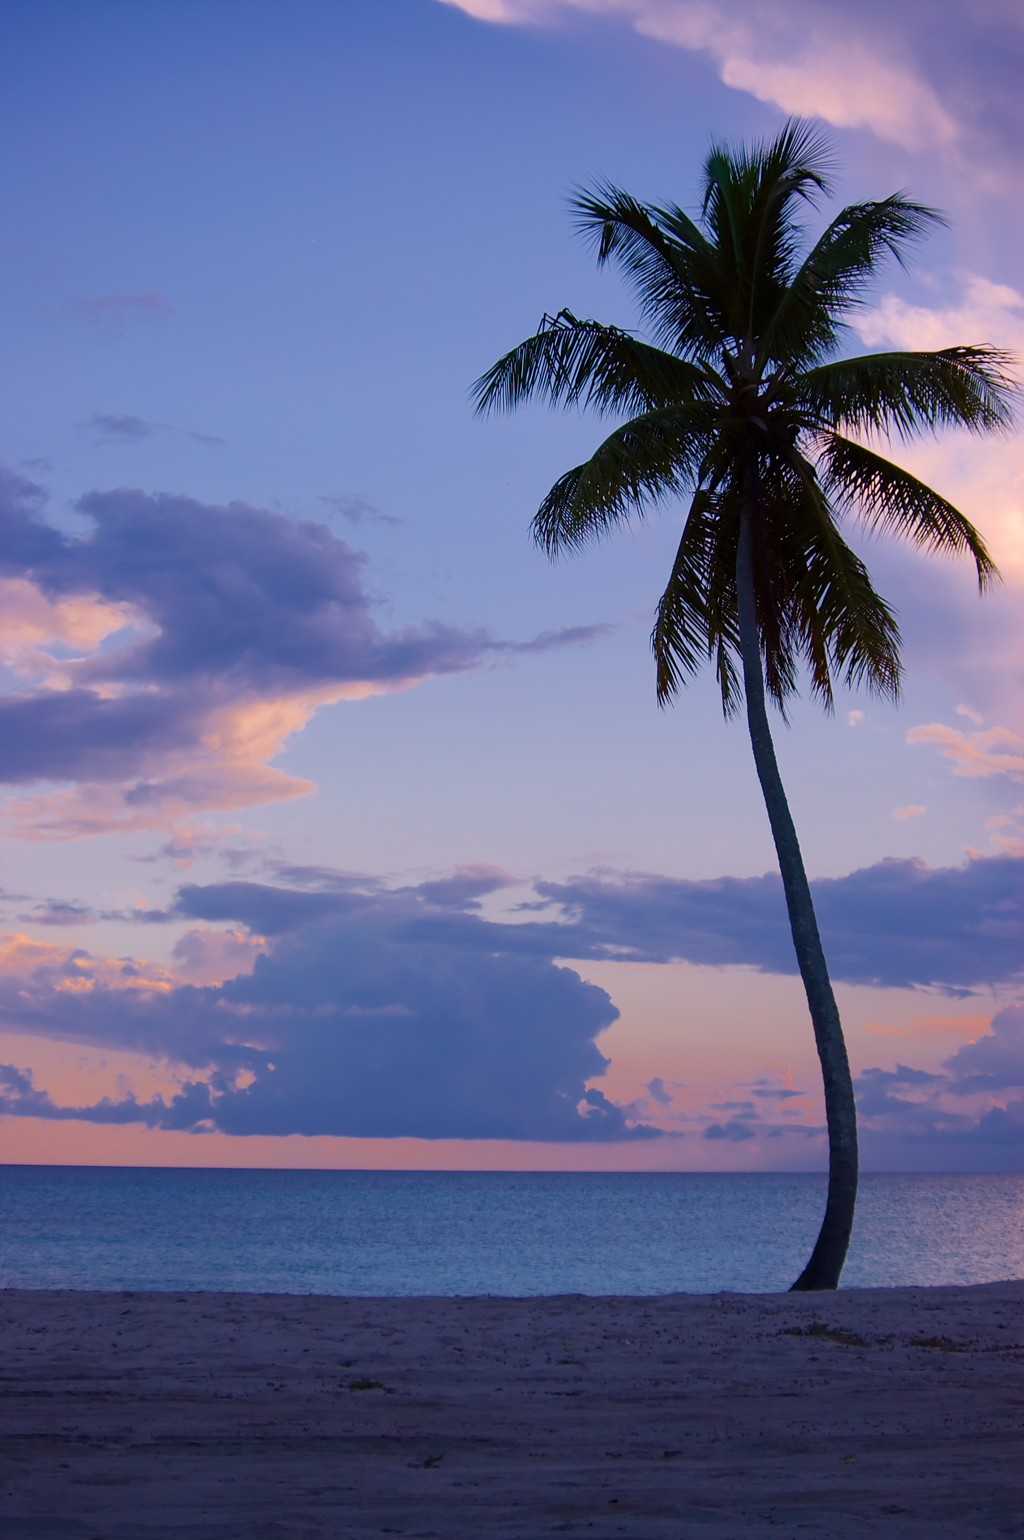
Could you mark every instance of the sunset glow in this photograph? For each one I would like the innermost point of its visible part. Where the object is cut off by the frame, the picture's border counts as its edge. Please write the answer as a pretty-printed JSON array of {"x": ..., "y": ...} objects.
[{"x": 341, "y": 828}]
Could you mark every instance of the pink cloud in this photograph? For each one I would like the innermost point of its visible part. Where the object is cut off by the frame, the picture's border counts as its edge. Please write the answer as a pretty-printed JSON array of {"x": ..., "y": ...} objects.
[
  {"x": 1011, "y": 841},
  {"x": 801, "y": 58},
  {"x": 204, "y": 955},
  {"x": 32, "y": 622},
  {"x": 972, "y": 753},
  {"x": 166, "y": 802},
  {"x": 44, "y": 967},
  {"x": 961, "y": 1028},
  {"x": 191, "y": 839},
  {"x": 170, "y": 653},
  {"x": 984, "y": 478}
]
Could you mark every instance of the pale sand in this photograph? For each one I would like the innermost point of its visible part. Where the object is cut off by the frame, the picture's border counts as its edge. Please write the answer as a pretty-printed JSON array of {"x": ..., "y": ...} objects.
[{"x": 218, "y": 1417}]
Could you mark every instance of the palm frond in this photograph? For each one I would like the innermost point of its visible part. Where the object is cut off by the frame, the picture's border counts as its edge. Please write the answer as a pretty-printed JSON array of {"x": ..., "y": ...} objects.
[
  {"x": 650, "y": 458},
  {"x": 815, "y": 600},
  {"x": 805, "y": 325},
  {"x": 695, "y": 619},
  {"x": 748, "y": 200},
  {"x": 840, "y": 623},
  {"x": 907, "y": 393},
  {"x": 664, "y": 256},
  {"x": 737, "y": 386},
  {"x": 797, "y": 163},
  {"x": 571, "y": 362},
  {"x": 889, "y": 498}
]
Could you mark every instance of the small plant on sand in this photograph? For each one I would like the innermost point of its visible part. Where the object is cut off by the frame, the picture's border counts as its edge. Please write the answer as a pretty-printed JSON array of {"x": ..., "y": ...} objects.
[{"x": 834, "y": 1333}]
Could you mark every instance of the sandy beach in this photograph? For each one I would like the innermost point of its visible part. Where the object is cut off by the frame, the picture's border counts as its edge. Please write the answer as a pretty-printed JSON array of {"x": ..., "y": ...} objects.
[{"x": 892, "y": 1412}]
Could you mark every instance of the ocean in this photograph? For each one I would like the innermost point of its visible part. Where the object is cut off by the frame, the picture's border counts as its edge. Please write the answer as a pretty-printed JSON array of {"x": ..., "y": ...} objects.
[{"x": 499, "y": 1233}]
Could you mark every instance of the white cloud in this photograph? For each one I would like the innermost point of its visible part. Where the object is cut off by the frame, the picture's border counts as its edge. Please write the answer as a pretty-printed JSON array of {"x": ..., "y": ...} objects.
[
  {"x": 908, "y": 812},
  {"x": 987, "y": 312},
  {"x": 496, "y": 10},
  {"x": 983, "y": 477},
  {"x": 802, "y": 60}
]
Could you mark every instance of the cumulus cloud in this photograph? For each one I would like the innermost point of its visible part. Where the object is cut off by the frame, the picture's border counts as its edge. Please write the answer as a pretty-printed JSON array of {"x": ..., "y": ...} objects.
[
  {"x": 355, "y": 1022},
  {"x": 898, "y": 924},
  {"x": 809, "y": 59},
  {"x": 171, "y": 651},
  {"x": 994, "y": 1062},
  {"x": 965, "y": 1104},
  {"x": 205, "y": 955}
]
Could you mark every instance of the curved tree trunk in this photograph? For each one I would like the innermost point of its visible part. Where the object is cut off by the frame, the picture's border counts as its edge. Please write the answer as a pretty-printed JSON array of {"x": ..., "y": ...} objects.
[{"x": 829, "y": 1254}]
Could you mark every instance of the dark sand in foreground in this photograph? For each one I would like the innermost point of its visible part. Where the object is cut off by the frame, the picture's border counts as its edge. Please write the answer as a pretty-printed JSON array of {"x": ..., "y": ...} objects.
[{"x": 256, "y": 1417}]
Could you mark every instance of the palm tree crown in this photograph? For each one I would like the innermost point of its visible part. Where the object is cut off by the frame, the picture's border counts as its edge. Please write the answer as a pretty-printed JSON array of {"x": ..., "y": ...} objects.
[{"x": 742, "y": 381}]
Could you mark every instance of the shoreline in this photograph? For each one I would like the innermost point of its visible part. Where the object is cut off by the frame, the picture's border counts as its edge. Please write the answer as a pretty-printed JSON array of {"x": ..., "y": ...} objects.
[
  {"x": 12, "y": 1291},
  {"x": 228, "y": 1416}
]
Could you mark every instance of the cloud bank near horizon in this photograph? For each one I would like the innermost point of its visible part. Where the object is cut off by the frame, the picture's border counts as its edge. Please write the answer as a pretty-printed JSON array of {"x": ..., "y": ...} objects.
[
  {"x": 899, "y": 924},
  {"x": 921, "y": 1108},
  {"x": 159, "y": 661},
  {"x": 377, "y": 1012},
  {"x": 349, "y": 1024}
]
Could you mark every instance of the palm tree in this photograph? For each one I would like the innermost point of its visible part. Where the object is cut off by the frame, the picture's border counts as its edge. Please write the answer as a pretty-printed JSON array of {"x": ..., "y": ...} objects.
[{"x": 742, "y": 403}]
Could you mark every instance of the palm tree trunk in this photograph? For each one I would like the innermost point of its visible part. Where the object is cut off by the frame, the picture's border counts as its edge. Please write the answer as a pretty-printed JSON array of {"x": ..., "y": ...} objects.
[{"x": 829, "y": 1254}]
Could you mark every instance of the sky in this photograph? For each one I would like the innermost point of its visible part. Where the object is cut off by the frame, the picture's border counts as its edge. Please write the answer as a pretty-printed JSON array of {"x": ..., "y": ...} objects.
[{"x": 342, "y": 828}]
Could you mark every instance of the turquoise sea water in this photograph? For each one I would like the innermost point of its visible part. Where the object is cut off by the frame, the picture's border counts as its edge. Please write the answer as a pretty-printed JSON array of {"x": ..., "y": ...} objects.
[{"x": 510, "y": 1233}]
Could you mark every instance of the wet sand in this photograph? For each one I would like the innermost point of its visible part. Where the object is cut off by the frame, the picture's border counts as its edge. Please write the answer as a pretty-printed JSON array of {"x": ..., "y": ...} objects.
[{"x": 888, "y": 1412}]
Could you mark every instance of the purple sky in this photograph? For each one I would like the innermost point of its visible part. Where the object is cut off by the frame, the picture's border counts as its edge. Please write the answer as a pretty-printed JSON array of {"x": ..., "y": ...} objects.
[{"x": 341, "y": 827}]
